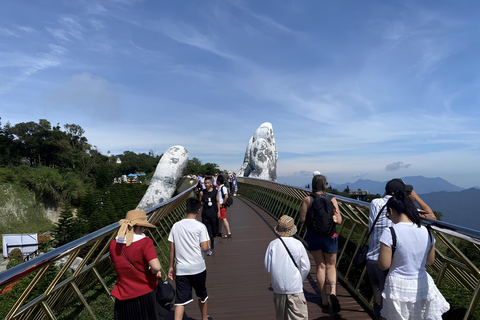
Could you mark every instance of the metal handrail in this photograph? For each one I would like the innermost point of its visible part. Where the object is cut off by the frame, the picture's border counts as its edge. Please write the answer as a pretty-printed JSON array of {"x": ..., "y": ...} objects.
[
  {"x": 279, "y": 199},
  {"x": 94, "y": 248}
]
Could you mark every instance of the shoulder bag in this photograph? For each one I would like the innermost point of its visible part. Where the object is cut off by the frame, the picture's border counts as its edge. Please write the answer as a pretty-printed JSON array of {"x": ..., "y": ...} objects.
[{"x": 361, "y": 256}]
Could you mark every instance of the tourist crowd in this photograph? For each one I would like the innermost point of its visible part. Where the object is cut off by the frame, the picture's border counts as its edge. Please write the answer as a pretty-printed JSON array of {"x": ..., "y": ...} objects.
[{"x": 399, "y": 247}]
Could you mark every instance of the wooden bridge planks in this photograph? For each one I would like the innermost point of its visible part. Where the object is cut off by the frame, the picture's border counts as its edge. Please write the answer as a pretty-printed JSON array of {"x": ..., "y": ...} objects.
[{"x": 238, "y": 285}]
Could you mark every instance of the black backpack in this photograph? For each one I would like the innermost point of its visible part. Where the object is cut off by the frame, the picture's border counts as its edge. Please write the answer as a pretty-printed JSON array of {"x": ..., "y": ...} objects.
[
  {"x": 229, "y": 201},
  {"x": 320, "y": 215}
]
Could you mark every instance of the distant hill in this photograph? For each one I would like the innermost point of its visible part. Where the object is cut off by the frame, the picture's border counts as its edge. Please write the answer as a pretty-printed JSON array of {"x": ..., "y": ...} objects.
[
  {"x": 462, "y": 208},
  {"x": 420, "y": 184}
]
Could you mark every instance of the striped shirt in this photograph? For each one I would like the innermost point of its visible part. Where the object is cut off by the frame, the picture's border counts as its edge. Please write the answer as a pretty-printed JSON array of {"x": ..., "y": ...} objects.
[{"x": 382, "y": 223}]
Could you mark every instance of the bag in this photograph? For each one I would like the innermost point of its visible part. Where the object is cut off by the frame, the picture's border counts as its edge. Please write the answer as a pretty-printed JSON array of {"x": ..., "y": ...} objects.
[
  {"x": 361, "y": 257},
  {"x": 229, "y": 201},
  {"x": 320, "y": 215},
  {"x": 165, "y": 294}
]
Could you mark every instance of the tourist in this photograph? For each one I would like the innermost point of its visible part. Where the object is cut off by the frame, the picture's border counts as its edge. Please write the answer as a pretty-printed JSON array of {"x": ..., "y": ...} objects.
[
  {"x": 378, "y": 207},
  {"x": 323, "y": 247},
  {"x": 234, "y": 184},
  {"x": 222, "y": 198},
  {"x": 215, "y": 177},
  {"x": 288, "y": 270},
  {"x": 409, "y": 291},
  {"x": 188, "y": 238},
  {"x": 211, "y": 211},
  {"x": 135, "y": 291}
]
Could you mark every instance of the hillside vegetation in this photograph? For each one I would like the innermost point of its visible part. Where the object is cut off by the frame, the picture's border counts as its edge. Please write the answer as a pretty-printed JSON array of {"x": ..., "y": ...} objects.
[{"x": 45, "y": 167}]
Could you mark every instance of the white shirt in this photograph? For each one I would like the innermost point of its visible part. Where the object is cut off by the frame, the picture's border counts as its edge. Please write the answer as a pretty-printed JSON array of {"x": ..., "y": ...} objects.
[
  {"x": 413, "y": 244},
  {"x": 187, "y": 234},
  {"x": 285, "y": 277},
  {"x": 221, "y": 189}
]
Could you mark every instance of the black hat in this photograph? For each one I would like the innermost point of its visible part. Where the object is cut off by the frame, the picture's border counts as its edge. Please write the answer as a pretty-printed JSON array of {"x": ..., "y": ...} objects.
[{"x": 395, "y": 185}]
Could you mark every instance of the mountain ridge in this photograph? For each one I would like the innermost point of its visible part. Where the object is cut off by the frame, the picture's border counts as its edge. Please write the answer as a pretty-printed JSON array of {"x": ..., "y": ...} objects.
[{"x": 421, "y": 185}]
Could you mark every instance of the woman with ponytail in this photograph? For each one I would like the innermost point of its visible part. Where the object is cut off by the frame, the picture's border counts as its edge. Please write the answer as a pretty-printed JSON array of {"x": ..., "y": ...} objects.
[{"x": 409, "y": 292}]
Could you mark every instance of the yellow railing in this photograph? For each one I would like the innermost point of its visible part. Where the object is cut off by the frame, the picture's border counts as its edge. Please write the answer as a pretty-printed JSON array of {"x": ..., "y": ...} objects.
[
  {"x": 93, "y": 266},
  {"x": 451, "y": 265}
]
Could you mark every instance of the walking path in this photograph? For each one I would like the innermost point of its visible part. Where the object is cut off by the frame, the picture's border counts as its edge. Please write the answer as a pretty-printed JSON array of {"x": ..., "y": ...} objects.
[{"x": 238, "y": 286}]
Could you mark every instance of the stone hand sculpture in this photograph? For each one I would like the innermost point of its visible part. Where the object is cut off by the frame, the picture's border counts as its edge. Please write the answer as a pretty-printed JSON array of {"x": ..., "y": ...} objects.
[
  {"x": 168, "y": 173},
  {"x": 261, "y": 155}
]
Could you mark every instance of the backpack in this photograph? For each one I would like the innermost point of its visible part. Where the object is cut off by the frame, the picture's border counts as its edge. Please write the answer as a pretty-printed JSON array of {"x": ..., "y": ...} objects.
[
  {"x": 229, "y": 201},
  {"x": 320, "y": 215}
]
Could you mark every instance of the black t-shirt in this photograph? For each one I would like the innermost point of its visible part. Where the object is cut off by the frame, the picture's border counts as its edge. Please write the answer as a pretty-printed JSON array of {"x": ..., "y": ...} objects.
[{"x": 209, "y": 211}]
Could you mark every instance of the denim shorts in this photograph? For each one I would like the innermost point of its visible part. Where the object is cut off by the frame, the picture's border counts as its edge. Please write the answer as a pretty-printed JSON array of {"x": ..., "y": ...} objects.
[{"x": 326, "y": 244}]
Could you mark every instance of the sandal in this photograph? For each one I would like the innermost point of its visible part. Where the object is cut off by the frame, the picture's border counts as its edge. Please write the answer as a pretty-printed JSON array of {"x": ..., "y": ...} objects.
[{"x": 227, "y": 235}]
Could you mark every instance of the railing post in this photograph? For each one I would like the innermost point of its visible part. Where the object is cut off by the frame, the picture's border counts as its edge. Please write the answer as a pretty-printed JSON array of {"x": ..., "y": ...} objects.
[
  {"x": 82, "y": 299},
  {"x": 473, "y": 302}
]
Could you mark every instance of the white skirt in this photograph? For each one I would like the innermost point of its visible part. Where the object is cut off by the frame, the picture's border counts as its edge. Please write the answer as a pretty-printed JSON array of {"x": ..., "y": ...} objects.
[{"x": 412, "y": 299}]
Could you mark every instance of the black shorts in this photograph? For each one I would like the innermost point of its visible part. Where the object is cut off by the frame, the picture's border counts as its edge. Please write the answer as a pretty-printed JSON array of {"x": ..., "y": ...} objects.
[{"x": 184, "y": 285}]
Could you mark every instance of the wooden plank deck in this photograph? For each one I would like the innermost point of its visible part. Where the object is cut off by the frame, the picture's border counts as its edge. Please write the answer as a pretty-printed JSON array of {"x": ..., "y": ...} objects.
[{"x": 238, "y": 285}]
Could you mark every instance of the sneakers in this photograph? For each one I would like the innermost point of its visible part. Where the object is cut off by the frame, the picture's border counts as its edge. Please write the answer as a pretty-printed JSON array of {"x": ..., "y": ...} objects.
[
  {"x": 335, "y": 303},
  {"x": 209, "y": 252}
]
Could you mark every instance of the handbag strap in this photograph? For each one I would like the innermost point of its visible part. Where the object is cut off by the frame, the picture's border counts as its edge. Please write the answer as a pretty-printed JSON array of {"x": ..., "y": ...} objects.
[
  {"x": 123, "y": 254},
  {"x": 289, "y": 253},
  {"x": 374, "y": 223},
  {"x": 394, "y": 240}
]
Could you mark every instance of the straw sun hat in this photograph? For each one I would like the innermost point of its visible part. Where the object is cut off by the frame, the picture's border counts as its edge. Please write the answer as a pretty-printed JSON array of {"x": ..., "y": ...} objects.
[
  {"x": 286, "y": 227},
  {"x": 133, "y": 218}
]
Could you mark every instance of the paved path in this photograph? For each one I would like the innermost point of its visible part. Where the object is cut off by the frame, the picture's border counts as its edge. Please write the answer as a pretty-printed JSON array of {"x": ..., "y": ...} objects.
[{"x": 238, "y": 285}]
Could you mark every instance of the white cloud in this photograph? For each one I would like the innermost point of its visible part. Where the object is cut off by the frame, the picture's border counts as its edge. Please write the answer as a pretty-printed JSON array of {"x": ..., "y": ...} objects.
[
  {"x": 86, "y": 93},
  {"x": 26, "y": 65},
  {"x": 8, "y": 33},
  {"x": 396, "y": 166}
]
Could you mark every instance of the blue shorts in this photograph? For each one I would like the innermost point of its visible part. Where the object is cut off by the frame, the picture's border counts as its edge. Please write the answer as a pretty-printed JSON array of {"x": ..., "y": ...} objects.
[{"x": 326, "y": 244}]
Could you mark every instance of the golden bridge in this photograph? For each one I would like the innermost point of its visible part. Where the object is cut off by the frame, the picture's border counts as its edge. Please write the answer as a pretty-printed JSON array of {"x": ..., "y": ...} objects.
[{"x": 237, "y": 283}]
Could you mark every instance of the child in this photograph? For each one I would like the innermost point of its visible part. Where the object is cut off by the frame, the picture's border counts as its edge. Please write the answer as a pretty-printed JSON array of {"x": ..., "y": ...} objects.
[{"x": 287, "y": 276}]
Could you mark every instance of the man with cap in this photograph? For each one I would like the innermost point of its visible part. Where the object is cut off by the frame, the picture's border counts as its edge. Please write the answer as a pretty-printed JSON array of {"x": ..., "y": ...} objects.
[
  {"x": 287, "y": 261},
  {"x": 378, "y": 206}
]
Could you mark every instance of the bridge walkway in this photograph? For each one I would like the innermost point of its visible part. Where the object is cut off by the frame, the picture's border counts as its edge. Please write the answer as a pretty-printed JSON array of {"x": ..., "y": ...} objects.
[{"x": 238, "y": 285}]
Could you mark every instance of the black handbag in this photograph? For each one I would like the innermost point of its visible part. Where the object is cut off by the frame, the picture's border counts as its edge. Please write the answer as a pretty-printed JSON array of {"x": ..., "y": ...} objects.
[{"x": 360, "y": 258}]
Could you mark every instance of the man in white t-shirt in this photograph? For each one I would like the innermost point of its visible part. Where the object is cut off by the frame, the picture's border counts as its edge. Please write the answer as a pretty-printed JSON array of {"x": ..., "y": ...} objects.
[
  {"x": 189, "y": 240},
  {"x": 288, "y": 271}
]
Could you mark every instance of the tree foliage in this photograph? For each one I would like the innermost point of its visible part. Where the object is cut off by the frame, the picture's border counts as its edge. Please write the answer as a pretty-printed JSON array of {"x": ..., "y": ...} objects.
[{"x": 195, "y": 166}]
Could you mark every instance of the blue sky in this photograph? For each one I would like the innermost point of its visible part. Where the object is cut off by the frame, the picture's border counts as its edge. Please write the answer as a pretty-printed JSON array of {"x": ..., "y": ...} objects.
[{"x": 354, "y": 89}]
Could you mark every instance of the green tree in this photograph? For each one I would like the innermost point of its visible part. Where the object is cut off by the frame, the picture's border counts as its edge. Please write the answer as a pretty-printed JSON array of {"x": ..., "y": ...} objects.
[
  {"x": 347, "y": 190},
  {"x": 194, "y": 166},
  {"x": 8, "y": 152},
  {"x": 210, "y": 168},
  {"x": 65, "y": 231}
]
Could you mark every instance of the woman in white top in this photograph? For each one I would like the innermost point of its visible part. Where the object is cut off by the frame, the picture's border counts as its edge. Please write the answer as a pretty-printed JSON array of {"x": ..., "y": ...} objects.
[{"x": 409, "y": 292}]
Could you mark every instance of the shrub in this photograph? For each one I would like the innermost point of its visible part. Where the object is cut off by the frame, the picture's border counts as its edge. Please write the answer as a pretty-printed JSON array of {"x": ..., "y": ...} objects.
[{"x": 16, "y": 254}]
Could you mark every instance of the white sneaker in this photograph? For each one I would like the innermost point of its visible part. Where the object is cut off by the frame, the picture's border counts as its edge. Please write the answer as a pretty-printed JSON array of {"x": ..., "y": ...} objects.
[{"x": 209, "y": 252}]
